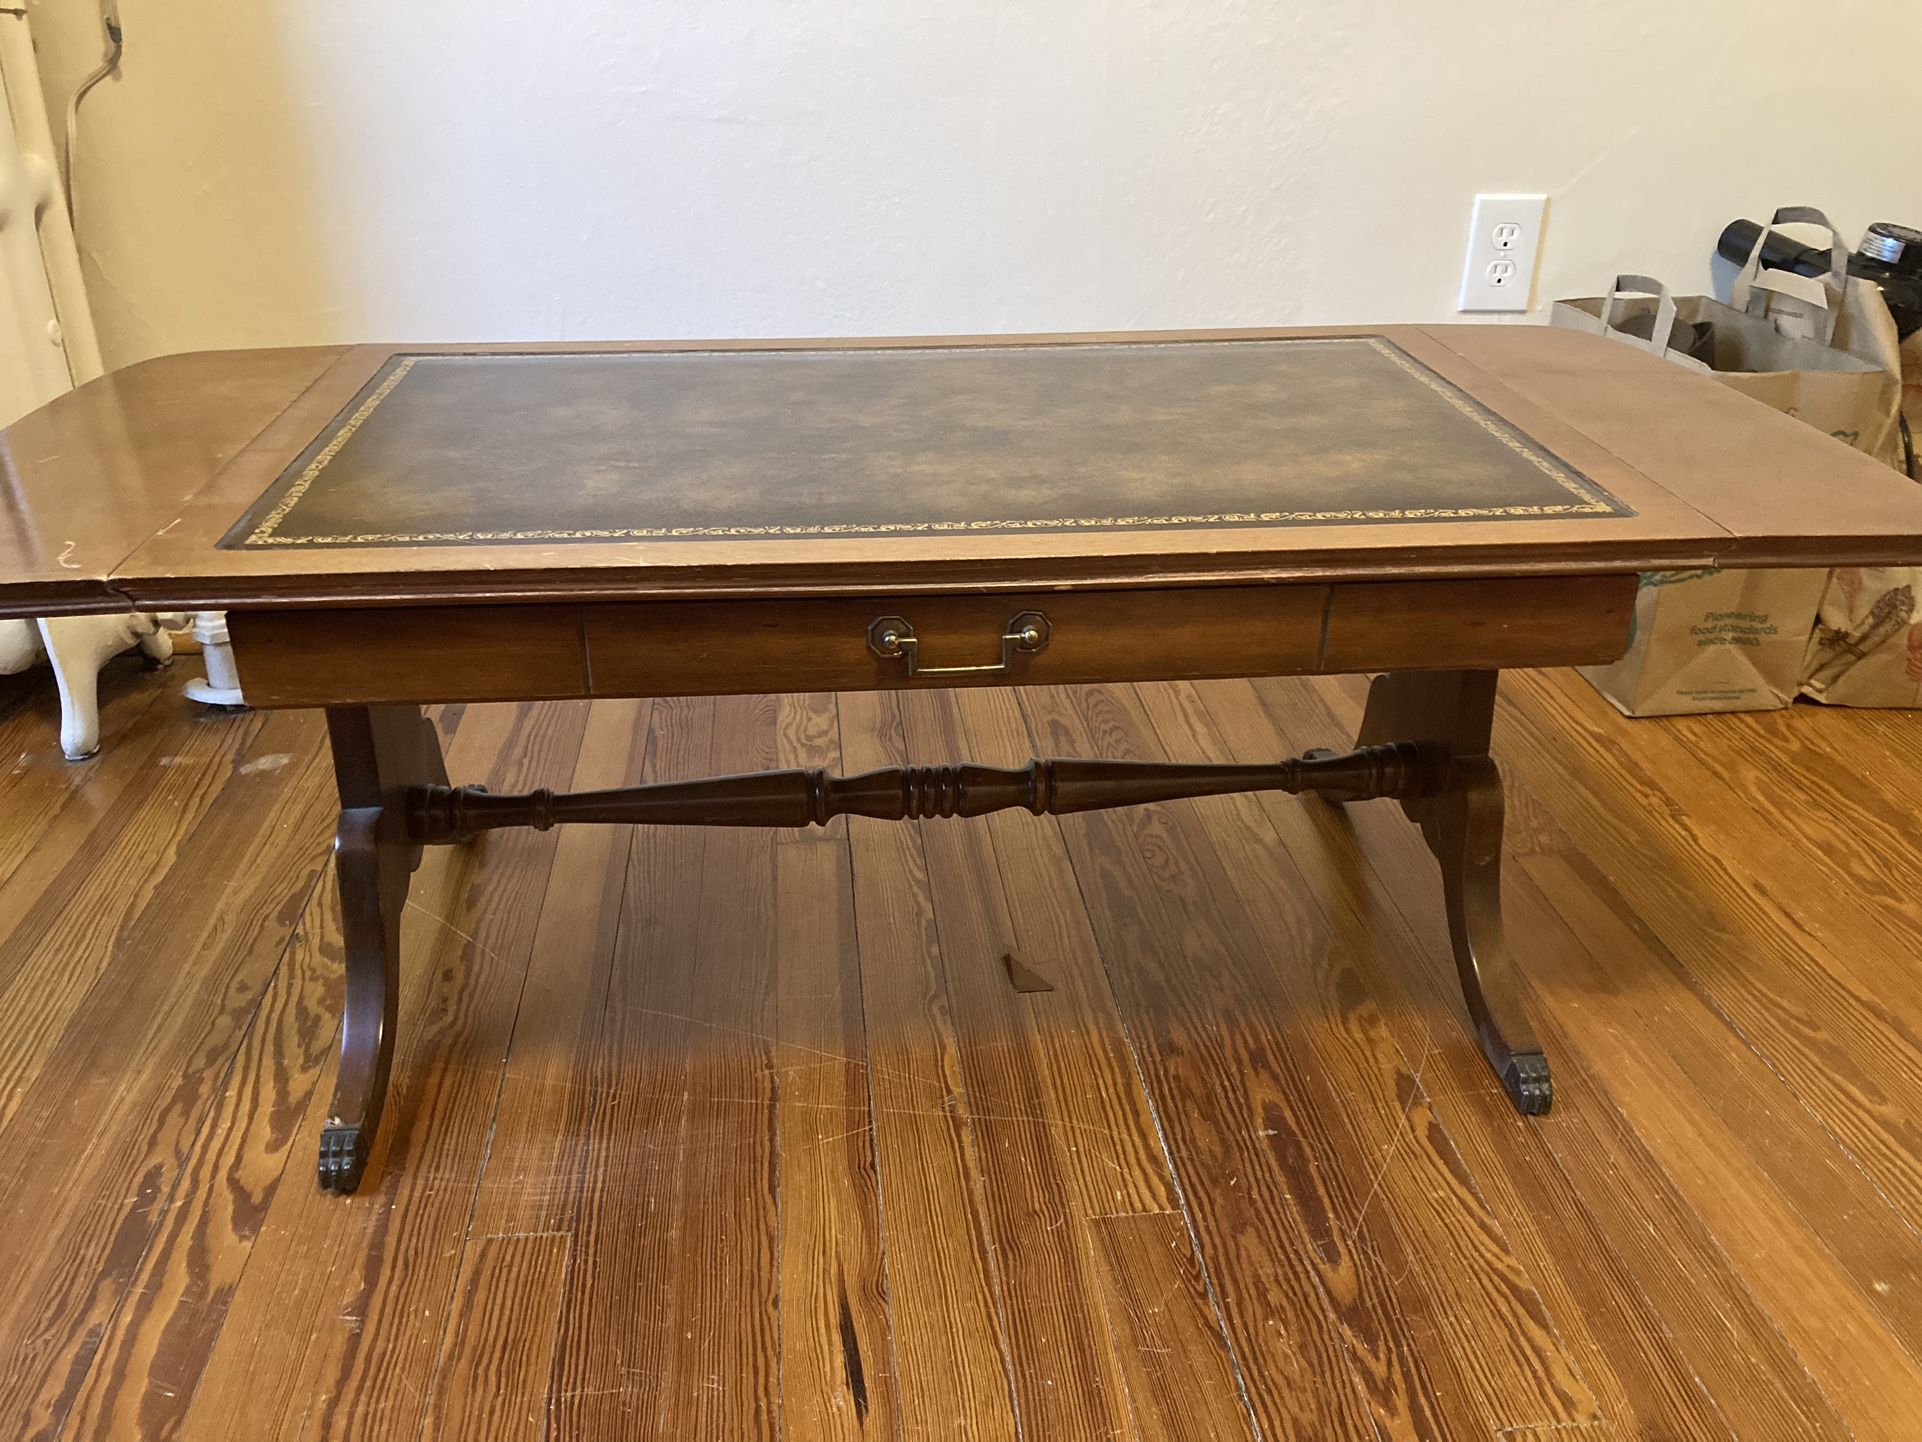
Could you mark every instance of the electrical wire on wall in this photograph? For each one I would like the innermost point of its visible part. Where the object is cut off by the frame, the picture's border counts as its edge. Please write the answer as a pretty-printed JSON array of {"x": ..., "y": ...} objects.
[{"x": 110, "y": 23}]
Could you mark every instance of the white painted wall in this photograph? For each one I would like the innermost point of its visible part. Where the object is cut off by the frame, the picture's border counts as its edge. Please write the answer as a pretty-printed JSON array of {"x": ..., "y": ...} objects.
[{"x": 271, "y": 171}]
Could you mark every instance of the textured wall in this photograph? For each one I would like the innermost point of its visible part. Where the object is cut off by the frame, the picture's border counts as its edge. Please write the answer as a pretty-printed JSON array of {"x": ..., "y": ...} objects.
[{"x": 276, "y": 172}]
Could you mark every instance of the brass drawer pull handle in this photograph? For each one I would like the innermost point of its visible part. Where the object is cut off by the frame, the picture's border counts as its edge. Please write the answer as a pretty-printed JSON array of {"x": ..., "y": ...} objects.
[{"x": 891, "y": 637}]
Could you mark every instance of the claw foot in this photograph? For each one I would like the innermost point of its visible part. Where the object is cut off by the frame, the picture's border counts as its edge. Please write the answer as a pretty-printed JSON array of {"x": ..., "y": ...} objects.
[
  {"x": 343, "y": 1157},
  {"x": 1528, "y": 1084}
]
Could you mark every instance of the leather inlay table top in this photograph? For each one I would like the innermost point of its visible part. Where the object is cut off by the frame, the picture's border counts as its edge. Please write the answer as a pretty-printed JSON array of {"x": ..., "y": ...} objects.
[
  {"x": 442, "y": 449},
  {"x": 434, "y": 474}
]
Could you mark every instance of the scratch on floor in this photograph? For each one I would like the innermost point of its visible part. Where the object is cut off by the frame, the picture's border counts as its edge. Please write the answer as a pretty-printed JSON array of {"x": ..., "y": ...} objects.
[
  {"x": 766, "y": 1039},
  {"x": 1415, "y": 1094},
  {"x": 465, "y": 936},
  {"x": 819, "y": 1141}
]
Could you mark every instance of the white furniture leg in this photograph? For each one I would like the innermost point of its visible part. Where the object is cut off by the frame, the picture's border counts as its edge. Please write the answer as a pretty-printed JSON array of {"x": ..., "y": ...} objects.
[
  {"x": 78, "y": 646},
  {"x": 221, "y": 685},
  {"x": 19, "y": 646}
]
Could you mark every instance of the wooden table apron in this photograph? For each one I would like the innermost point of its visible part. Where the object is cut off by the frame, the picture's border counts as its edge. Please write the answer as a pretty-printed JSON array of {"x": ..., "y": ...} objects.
[{"x": 1439, "y": 646}]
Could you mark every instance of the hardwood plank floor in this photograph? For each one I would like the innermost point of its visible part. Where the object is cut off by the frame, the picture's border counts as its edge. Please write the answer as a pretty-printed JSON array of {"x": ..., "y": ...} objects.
[{"x": 735, "y": 1134}]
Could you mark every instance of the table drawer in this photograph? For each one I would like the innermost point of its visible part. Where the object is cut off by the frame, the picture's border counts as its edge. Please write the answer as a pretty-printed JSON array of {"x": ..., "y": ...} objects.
[
  {"x": 1478, "y": 625},
  {"x": 726, "y": 647},
  {"x": 359, "y": 656},
  {"x": 323, "y": 657}
]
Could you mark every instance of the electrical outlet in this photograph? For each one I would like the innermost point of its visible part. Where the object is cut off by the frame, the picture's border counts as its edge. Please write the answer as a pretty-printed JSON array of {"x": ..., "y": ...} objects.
[{"x": 1503, "y": 237}]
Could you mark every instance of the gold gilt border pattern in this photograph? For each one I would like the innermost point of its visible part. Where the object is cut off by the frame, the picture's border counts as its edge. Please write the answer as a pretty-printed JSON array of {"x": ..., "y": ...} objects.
[
  {"x": 263, "y": 534},
  {"x": 1586, "y": 499}
]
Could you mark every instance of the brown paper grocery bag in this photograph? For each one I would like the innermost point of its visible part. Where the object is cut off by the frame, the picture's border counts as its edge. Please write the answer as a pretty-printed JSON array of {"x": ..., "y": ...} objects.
[
  {"x": 1844, "y": 312},
  {"x": 1762, "y": 350},
  {"x": 1723, "y": 641},
  {"x": 1713, "y": 641},
  {"x": 1866, "y": 649}
]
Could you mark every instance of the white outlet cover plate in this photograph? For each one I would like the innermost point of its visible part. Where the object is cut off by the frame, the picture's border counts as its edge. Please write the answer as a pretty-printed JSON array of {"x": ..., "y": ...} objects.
[{"x": 1504, "y": 236}]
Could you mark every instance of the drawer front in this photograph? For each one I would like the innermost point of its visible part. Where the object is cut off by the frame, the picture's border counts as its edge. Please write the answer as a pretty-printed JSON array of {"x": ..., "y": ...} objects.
[
  {"x": 1487, "y": 625},
  {"x": 728, "y": 647},
  {"x": 348, "y": 656}
]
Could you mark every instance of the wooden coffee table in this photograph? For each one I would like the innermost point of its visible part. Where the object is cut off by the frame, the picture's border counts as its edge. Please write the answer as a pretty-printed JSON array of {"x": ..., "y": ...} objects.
[{"x": 394, "y": 526}]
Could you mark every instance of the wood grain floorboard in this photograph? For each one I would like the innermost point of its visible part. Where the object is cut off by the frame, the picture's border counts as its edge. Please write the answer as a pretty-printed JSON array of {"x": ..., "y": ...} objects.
[
  {"x": 722, "y": 1362},
  {"x": 37, "y": 783},
  {"x": 1621, "y": 1341},
  {"x": 1450, "y": 1252},
  {"x": 1167, "y": 1334},
  {"x": 948, "y": 1331},
  {"x": 609, "y": 1370},
  {"x": 1867, "y": 1369},
  {"x": 1113, "y": 1159},
  {"x": 61, "y": 916},
  {"x": 345, "y": 1350},
  {"x": 1870, "y": 743},
  {"x": 1790, "y": 763},
  {"x": 1065, "y": 1376},
  {"x": 1830, "y": 1009},
  {"x": 709, "y": 1133},
  {"x": 114, "y": 1110},
  {"x": 837, "y": 1369},
  {"x": 1766, "y": 784},
  {"x": 1736, "y": 1346},
  {"x": 532, "y": 1182},
  {"x": 490, "y": 1380},
  {"x": 1265, "y": 1164},
  {"x": 154, "y": 1350},
  {"x": 1757, "y": 1121}
]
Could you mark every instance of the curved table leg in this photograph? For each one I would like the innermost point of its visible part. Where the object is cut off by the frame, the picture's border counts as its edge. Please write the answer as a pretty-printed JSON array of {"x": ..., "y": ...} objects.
[
  {"x": 1463, "y": 827},
  {"x": 373, "y": 893},
  {"x": 379, "y": 752},
  {"x": 1455, "y": 797}
]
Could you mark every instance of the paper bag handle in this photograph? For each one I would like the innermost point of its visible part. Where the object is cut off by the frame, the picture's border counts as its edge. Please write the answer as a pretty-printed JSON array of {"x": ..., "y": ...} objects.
[
  {"x": 1664, "y": 311},
  {"x": 1834, "y": 288}
]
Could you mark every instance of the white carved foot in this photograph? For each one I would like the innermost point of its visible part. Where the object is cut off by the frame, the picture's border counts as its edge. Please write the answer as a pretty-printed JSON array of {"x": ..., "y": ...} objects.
[
  {"x": 78, "y": 646},
  {"x": 221, "y": 685}
]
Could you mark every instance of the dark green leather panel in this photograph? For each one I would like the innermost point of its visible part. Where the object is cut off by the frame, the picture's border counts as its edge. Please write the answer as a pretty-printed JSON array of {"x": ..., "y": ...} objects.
[{"x": 446, "y": 449}]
